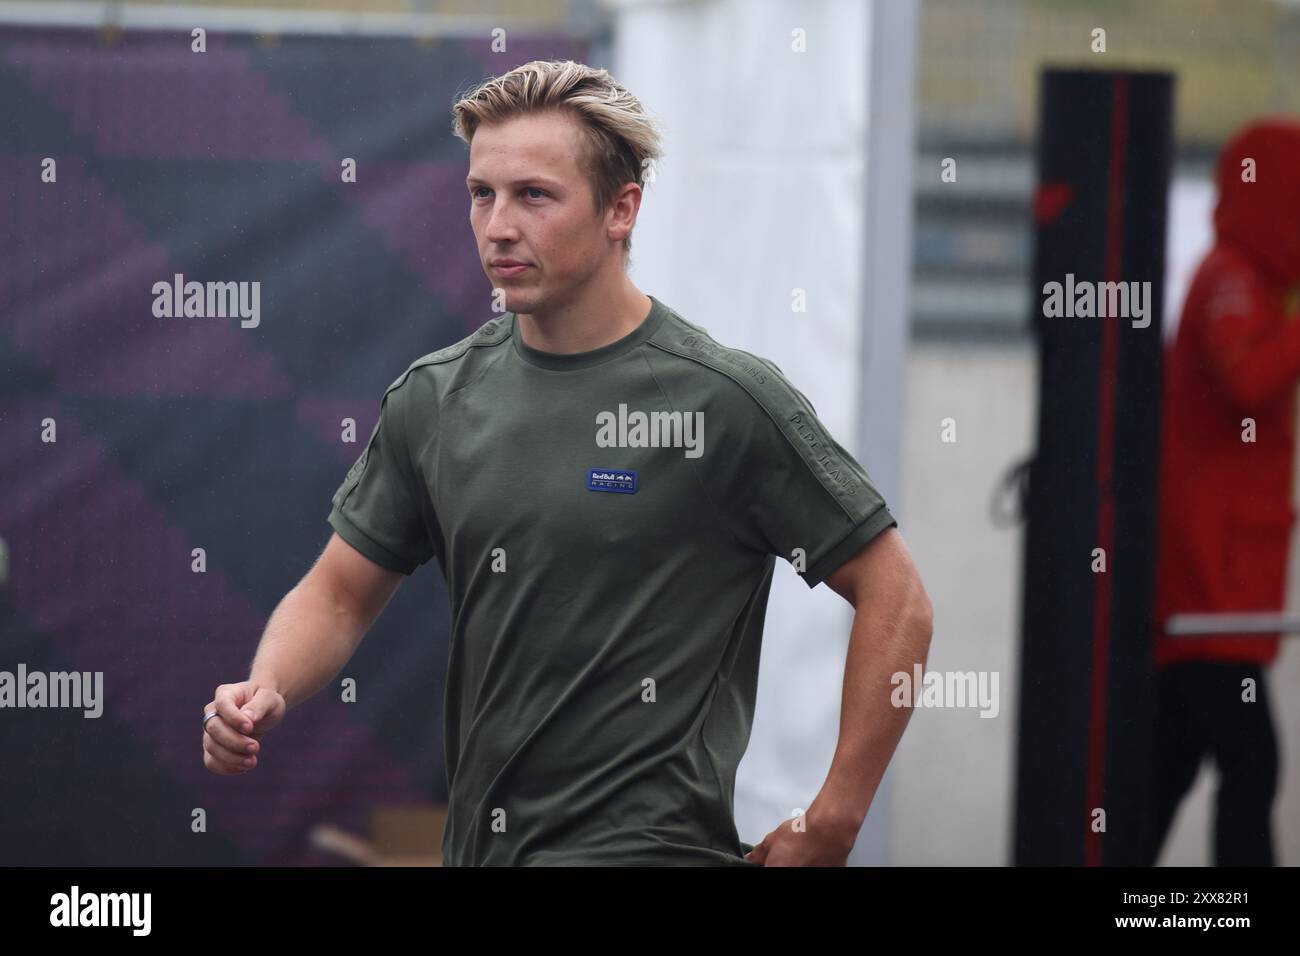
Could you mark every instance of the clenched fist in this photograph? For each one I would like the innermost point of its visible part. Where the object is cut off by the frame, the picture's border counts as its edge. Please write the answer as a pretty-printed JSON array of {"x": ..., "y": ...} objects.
[{"x": 245, "y": 712}]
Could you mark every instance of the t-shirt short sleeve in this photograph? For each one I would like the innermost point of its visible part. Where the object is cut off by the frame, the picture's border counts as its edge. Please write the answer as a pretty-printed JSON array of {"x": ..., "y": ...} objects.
[
  {"x": 378, "y": 509},
  {"x": 793, "y": 489}
]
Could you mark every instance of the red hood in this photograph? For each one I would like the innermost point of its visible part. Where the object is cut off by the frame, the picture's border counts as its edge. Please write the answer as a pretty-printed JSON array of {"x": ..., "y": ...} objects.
[{"x": 1262, "y": 218}]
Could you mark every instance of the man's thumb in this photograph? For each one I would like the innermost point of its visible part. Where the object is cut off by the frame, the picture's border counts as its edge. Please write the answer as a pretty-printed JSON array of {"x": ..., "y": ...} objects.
[{"x": 258, "y": 705}]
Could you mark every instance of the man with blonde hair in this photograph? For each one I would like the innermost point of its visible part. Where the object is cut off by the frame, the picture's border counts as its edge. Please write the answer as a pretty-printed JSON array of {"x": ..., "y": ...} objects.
[{"x": 605, "y": 488}]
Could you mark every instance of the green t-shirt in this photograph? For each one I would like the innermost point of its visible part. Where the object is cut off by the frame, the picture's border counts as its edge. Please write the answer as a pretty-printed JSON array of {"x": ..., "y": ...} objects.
[{"x": 607, "y": 524}]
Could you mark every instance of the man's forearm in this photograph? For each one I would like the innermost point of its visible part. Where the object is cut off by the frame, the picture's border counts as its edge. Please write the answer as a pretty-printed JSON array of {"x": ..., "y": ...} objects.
[
  {"x": 306, "y": 643},
  {"x": 887, "y": 637}
]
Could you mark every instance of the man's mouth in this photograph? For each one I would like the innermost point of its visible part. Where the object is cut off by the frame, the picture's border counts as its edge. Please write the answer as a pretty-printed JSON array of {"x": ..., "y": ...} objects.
[{"x": 508, "y": 268}]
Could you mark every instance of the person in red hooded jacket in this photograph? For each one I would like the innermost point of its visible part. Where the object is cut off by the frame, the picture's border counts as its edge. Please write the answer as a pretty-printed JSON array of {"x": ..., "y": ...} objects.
[{"x": 1226, "y": 495}]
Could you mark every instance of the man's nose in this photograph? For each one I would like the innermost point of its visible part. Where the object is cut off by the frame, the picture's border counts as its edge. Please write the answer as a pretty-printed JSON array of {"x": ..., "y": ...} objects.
[{"x": 500, "y": 227}]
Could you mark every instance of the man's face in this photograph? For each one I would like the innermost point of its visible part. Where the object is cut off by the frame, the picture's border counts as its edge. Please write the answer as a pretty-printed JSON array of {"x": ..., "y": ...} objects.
[{"x": 530, "y": 202}]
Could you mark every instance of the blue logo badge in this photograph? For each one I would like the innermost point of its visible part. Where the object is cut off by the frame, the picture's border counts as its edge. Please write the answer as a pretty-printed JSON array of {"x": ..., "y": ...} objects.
[{"x": 612, "y": 479}]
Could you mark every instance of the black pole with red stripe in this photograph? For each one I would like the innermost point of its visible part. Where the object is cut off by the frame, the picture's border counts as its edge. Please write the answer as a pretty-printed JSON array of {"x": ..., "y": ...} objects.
[{"x": 1084, "y": 767}]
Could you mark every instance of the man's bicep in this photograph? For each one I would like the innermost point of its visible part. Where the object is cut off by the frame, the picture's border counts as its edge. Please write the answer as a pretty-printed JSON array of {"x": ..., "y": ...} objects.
[
  {"x": 354, "y": 582},
  {"x": 882, "y": 562}
]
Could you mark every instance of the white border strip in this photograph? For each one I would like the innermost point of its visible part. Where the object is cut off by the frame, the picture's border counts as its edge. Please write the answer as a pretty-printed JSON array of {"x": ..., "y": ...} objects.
[{"x": 1245, "y": 623}]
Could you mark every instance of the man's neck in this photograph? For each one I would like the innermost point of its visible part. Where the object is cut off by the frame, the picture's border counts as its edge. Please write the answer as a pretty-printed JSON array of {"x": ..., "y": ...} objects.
[{"x": 587, "y": 325}]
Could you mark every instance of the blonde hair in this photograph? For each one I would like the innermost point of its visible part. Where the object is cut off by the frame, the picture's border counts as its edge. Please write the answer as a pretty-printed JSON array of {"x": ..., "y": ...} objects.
[{"x": 619, "y": 139}]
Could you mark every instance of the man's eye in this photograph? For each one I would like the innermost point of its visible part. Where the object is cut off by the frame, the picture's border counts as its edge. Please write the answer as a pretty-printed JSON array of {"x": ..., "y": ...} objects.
[{"x": 474, "y": 193}]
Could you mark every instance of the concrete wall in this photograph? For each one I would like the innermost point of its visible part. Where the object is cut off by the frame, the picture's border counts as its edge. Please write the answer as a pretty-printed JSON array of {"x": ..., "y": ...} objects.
[{"x": 953, "y": 774}]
